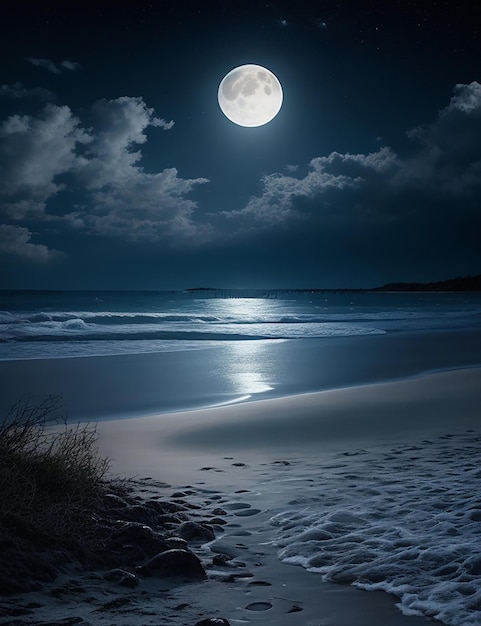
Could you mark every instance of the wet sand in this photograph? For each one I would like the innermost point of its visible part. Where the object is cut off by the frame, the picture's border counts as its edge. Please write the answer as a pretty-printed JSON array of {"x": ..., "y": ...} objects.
[{"x": 113, "y": 387}]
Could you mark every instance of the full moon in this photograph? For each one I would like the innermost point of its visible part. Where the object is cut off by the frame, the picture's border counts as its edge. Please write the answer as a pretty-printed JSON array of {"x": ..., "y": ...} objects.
[{"x": 250, "y": 95}]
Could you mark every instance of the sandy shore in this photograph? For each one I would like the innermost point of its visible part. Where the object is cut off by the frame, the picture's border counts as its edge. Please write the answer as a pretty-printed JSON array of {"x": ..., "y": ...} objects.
[
  {"x": 247, "y": 463},
  {"x": 257, "y": 455},
  {"x": 173, "y": 446}
]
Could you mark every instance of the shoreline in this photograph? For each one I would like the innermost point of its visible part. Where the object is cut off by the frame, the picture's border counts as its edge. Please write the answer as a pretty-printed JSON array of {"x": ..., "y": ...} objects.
[
  {"x": 272, "y": 453},
  {"x": 246, "y": 464},
  {"x": 123, "y": 386}
]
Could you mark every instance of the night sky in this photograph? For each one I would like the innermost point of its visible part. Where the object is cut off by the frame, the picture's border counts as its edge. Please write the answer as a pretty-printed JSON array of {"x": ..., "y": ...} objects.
[{"x": 118, "y": 170}]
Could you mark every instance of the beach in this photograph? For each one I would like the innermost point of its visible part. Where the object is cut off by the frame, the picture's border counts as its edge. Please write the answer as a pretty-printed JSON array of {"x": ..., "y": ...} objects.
[
  {"x": 269, "y": 454},
  {"x": 337, "y": 473},
  {"x": 301, "y": 463}
]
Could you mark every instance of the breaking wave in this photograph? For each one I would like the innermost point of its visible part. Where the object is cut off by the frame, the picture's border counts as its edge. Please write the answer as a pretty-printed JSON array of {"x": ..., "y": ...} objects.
[{"x": 406, "y": 521}]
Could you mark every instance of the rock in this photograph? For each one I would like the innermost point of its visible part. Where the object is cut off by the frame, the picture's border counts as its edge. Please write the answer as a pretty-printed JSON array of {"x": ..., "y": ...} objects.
[
  {"x": 115, "y": 501},
  {"x": 168, "y": 520},
  {"x": 141, "y": 513},
  {"x": 219, "y": 511},
  {"x": 221, "y": 559},
  {"x": 133, "y": 542},
  {"x": 176, "y": 563},
  {"x": 122, "y": 577},
  {"x": 166, "y": 506},
  {"x": 213, "y": 621},
  {"x": 177, "y": 542},
  {"x": 193, "y": 531},
  {"x": 187, "y": 505}
]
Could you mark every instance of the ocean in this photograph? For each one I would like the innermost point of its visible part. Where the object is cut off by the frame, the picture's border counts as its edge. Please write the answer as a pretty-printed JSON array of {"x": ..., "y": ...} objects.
[{"x": 51, "y": 324}]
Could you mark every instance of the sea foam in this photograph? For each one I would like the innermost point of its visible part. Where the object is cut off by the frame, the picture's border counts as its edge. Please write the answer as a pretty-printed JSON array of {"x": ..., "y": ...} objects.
[
  {"x": 83, "y": 323},
  {"x": 406, "y": 521}
]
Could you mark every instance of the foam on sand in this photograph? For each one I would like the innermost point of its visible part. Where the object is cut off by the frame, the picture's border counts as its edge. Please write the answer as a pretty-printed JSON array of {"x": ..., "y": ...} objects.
[{"x": 405, "y": 521}]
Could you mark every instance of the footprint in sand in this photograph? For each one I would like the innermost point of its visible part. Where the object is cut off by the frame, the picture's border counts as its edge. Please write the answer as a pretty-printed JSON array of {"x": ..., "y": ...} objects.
[
  {"x": 233, "y": 506},
  {"x": 247, "y": 512},
  {"x": 242, "y": 509},
  {"x": 239, "y": 533},
  {"x": 260, "y": 583},
  {"x": 259, "y": 606}
]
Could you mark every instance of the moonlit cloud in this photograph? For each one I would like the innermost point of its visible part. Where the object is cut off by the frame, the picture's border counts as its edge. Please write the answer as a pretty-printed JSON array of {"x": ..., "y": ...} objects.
[
  {"x": 328, "y": 180},
  {"x": 73, "y": 66},
  {"x": 44, "y": 64},
  {"x": 88, "y": 177},
  {"x": 34, "y": 151},
  {"x": 103, "y": 164},
  {"x": 125, "y": 201},
  {"x": 18, "y": 90},
  {"x": 54, "y": 68},
  {"x": 378, "y": 186},
  {"x": 449, "y": 160},
  {"x": 15, "y": 242},
  {"x": 119, "y": 126}
]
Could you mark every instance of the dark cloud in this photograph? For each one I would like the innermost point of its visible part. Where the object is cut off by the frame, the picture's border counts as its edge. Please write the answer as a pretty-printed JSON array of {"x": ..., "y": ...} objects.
[
  {"x": 445, "y": 158},
  {"x": 54, "y": 68},
  {"x": 15, "y": 242},
  {"x": 450, "y": 157},
  {"x": 72, "y": 66},
  {"x": 18, "y": 90}
]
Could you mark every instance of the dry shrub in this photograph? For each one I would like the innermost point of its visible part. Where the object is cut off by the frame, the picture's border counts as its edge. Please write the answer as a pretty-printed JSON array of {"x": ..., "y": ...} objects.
[{"x": 52, "y": 481}]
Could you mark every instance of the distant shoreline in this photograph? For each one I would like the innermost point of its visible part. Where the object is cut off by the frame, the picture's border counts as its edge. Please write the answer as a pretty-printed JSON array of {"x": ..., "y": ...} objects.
[{"x": 465, "y": 284}]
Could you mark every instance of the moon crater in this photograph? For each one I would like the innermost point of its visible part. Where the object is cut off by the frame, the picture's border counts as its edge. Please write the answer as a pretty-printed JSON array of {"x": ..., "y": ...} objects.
[{"x": 250, "y": 95}]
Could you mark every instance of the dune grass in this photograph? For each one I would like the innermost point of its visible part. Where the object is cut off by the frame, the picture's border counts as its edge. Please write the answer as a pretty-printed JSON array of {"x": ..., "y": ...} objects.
[{"x": 52, "y": 481}]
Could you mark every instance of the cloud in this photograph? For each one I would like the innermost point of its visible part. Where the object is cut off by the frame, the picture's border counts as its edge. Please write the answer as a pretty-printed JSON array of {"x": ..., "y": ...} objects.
[
  {"x": 73, "y": 66},
  {"x": 44, "y": 64},
  {"x": 102, "y": 165},
  {"x": 328, "y": 178},
  {"x": 118, "y": 126},
  {"x": 444, "y": 163},
  {"x": 89, "y": 177},
  {"x": 33, "y": 152},
  {"x": 15, "y": 242},
  {"x": 54, "y": 68},
  {"x": 449, "y": 160},
  {"x": 126, "y": 201},
  {"x": 150, "y": 207},
  {"x": 17, "y": 91}
]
